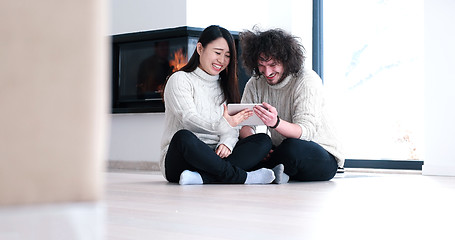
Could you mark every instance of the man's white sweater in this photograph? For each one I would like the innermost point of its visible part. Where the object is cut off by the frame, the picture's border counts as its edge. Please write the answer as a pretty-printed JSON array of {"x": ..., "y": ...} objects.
[
  {"x": 298, "y": 100},
  {"x": 194, "y": 101}
]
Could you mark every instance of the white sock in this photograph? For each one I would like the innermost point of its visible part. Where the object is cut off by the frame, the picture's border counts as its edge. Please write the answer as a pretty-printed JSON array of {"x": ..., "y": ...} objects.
[
  {"x": 260, "y": 176},
  {"x": 188, "y": 177},
  {"x": 280, "y": 176}
]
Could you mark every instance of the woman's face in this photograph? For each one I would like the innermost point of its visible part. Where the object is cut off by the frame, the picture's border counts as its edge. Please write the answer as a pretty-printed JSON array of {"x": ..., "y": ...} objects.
[{"x": 214, "y": 57}]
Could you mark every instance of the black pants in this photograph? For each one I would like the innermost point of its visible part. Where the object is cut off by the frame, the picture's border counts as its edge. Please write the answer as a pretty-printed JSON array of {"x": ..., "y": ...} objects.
[
  {"x": 303, "y": 160},
  {"x": 188, "y": 152}
]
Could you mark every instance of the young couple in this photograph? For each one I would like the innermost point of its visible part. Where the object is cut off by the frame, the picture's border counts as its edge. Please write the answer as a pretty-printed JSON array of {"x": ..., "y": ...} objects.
[{"x": 202, "y": 143}]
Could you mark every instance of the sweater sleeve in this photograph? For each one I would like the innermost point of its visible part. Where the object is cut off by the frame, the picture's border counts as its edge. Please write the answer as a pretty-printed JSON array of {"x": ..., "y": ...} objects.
[
  {"x": 178, "y": 98},
  {"x": 249, "y": 95},
  {"x": 308, "y": 105},
  {"x": 229, "y": 138},
  {"x": 248, "y": 92}
]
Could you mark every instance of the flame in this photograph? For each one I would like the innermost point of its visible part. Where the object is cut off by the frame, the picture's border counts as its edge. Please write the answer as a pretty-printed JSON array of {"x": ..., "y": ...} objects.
[{"x": 179, "y": 60}]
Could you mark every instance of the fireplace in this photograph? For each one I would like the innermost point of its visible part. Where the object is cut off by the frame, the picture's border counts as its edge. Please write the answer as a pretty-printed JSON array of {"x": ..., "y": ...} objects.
[{"x": 142, "y": 61}]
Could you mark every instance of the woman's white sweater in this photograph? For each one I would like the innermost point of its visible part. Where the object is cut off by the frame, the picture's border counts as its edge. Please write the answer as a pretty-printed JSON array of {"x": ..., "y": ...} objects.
[
  {"x": 298, "y": 100},
  {"x": 194, "y": 101}
]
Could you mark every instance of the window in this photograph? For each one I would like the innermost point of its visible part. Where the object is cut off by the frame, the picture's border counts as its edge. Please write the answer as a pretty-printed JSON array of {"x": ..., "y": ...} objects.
[{"x": 373, "y": 71}]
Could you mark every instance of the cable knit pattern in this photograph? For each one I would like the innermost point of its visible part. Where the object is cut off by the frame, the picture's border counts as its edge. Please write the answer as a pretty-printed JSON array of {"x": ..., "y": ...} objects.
[
  {"x": 194, "y": 101},
  {"x": 299, "y": 101}
]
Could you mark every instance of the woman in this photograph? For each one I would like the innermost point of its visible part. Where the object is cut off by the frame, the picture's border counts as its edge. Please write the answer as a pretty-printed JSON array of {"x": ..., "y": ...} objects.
[{"x": 200, "y": 141}]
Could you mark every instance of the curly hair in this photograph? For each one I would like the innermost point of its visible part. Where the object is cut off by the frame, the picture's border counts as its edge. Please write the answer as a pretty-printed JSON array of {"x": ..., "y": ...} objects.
[{"x": 275, "y": 44}]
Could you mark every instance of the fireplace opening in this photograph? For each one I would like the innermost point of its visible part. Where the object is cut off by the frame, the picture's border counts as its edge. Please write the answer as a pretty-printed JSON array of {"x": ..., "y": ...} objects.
[{"x": 142, "y": 61}]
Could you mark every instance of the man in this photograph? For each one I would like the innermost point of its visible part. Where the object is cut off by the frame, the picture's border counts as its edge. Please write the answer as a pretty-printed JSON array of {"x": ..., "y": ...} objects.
[{"x": 303, "y": 138}]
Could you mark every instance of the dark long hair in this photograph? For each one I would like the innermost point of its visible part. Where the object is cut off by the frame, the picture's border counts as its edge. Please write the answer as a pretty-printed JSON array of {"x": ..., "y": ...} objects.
[
  {"x": 276, "y": 44},
  {"x": 229, "y": 81}
]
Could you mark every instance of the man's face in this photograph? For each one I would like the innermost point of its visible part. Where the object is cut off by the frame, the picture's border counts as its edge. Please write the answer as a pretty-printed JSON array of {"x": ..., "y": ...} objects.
[{"x": 271, "y": 69}]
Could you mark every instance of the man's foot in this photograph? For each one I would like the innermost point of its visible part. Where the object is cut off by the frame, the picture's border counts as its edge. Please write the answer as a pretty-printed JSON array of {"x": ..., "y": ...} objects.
[{"x": 280, "y": 176}]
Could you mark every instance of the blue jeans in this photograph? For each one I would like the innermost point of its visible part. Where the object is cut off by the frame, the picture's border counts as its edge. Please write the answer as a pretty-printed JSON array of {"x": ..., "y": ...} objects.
[
  {"x": 303, "y": 160},
  {"x": 187, "y": 152}
]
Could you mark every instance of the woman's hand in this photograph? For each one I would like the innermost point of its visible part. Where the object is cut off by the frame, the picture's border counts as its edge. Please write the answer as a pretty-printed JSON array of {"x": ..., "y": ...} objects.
[
  {"x": 223, "y": 151},
  {"x": 239, "y": 117},
  {"x": 267, "y": 114}
]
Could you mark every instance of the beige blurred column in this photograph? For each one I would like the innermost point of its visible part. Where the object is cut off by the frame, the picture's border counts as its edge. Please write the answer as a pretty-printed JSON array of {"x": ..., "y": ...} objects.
[{"x": 54, "y": 104}]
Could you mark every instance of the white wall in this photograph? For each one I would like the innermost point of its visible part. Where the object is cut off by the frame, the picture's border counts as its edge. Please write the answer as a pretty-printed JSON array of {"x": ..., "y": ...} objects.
[
  {"x": 439, "y": 87},
  {"x": 143, "y": 15},
  {"x": 136, "y": 137},
  {"x": 295, "y": 16}
]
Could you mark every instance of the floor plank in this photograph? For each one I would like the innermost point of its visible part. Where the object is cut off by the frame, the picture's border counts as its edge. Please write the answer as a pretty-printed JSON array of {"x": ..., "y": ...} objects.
[{"x": 353, "y": 205}]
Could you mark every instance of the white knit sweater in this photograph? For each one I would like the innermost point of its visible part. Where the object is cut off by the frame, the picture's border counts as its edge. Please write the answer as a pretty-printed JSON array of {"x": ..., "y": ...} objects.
[
  {"x": 300, "y": 101},
  {"x": 194, "y": 101}
]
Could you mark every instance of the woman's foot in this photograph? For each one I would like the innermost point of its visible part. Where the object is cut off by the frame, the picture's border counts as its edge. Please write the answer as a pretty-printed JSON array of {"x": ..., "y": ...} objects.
[
  {"x": 188, "y": 177},
  {"x": 260, "y": 176}
]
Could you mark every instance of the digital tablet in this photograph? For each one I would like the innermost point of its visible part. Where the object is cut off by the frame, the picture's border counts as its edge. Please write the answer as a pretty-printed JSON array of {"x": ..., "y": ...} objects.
[{"x": 254, "y": 120}]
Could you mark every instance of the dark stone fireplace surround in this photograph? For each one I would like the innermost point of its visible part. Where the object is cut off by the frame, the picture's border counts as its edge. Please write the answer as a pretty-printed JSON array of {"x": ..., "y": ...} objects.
[{"x": 129, "y": 49}]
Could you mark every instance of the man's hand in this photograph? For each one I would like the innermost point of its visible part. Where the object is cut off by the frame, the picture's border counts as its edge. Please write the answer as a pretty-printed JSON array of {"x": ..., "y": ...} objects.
[
  {"x": 267, "y": 114},
  {"x": 269, "y": 117},
  {"x": 268, "y": 156},
  {"x": 246, "y": 131}
]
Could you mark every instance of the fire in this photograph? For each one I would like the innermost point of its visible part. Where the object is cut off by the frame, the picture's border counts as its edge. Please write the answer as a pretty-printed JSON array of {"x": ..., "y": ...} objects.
[{"x": 179, "y": 60}]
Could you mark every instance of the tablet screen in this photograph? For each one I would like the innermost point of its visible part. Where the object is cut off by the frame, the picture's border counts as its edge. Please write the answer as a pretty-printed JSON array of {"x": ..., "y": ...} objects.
[{"x": 254, "y": 120}]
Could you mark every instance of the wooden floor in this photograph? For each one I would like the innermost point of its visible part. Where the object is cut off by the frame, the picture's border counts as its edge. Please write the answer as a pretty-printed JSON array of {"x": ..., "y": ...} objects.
[{"x": 353, "y": 205}]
